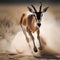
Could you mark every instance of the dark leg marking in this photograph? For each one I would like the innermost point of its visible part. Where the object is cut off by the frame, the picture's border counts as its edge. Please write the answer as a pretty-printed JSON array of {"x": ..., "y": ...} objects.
[
  {"x": 29, "y": 32},
  {"x": 38, "y": 37}
]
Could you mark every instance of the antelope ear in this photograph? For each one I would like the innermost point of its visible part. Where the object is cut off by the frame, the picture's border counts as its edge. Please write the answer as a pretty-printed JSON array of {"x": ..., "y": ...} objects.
[
  {"x": 30, "y": 9},
  {"x": 45, "y": 9}
]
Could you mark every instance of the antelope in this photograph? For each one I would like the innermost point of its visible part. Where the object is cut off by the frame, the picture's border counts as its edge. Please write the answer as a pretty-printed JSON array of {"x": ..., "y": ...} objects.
[{"x": 32, "y": 22}]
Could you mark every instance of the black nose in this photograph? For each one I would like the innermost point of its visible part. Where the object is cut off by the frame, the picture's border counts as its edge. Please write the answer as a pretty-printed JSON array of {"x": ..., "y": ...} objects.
[{"x": 39, "y": 24}]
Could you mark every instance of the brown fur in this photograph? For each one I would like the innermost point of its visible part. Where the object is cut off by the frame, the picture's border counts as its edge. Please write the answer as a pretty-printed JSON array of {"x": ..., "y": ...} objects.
[{"x": 28, "y": 21}]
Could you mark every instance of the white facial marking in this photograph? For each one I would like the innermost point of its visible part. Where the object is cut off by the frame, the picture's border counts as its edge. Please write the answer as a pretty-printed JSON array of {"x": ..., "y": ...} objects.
[{"x": 29, "y": 13}]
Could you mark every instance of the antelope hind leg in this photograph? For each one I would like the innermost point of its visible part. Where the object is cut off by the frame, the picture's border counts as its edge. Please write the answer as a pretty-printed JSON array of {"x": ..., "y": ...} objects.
[
  {"x": 30, "y": 34},
  {"x": 38, "y": 37}
]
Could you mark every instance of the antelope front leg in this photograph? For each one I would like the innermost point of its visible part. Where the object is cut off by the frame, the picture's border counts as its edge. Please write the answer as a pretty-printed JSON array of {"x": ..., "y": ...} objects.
[
  {"x": 29, "y": 32},
  {"x": 38, "y": 37}
]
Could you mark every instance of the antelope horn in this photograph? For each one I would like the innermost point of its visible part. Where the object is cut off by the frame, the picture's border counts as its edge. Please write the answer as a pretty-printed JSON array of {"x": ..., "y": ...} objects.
[
  {"x": 34, "y": 8},
  {"x": 40, "y": 7}
]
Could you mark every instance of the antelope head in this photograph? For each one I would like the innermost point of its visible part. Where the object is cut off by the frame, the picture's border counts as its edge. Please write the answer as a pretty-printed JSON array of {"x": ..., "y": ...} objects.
[{"x": 38, "y": 14}]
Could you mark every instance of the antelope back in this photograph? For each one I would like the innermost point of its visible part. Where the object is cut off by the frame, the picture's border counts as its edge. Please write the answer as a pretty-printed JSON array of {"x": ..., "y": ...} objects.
[{"x": 32, "y": 24}]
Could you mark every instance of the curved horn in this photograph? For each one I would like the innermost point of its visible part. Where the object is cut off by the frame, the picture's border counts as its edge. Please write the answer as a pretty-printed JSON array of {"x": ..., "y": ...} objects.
[
  {"x": 40, "y": 7},
  {"x": 34, "y": 8}
]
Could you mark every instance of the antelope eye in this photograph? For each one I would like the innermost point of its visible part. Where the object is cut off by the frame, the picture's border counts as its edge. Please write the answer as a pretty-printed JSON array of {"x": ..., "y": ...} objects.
[{"x": 34, "y": 15}]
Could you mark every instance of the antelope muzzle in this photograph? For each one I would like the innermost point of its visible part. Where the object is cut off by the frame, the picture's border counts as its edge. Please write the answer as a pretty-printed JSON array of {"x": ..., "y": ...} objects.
[{"x": 39, "y": 24}]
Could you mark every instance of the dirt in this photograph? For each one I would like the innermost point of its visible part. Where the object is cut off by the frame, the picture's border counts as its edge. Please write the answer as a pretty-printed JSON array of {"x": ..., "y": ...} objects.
[{"x": 5, "y": 56}]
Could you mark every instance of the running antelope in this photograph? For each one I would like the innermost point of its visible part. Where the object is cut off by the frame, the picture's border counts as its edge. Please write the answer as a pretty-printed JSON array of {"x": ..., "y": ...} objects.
[{"x": 32, "y": 23}]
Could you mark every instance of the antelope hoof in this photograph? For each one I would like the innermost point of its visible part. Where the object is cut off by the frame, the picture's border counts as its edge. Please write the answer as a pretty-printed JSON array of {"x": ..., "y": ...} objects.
[
  {"x": 40, "y": 48},
  {"x": 35, "y": 49}
]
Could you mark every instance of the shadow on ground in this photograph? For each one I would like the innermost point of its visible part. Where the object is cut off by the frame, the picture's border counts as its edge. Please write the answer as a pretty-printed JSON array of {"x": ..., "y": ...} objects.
[{"x": 5, "y": 56}]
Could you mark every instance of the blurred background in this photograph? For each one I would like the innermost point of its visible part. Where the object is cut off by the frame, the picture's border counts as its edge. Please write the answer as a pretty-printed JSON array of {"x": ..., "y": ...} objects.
[
  {"x": 29, "y": 1},
  {"x": 10, "y": 14}
]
